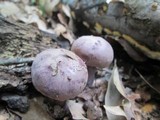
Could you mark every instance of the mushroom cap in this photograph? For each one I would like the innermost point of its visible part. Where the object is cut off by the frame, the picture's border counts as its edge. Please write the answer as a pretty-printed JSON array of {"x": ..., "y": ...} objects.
[
  {"x": 59, "y": 74},
  {"x": 94, "y": 50}
]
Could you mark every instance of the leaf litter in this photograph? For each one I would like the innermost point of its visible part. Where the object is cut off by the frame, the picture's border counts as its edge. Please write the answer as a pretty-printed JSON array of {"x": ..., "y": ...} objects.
[
  {"x": 118, "y": 104},
  {"x": 108, "y": 91}
]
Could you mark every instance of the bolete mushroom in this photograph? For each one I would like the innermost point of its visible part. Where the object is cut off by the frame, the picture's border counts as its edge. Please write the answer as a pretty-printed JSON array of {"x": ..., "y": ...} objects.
[
  {"x": 59, "y": 74},
  {"x": 95, "y": 51}
]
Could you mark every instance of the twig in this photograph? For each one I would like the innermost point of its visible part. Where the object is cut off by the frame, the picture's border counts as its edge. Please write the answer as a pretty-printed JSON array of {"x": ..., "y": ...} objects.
[
  {"x": 11, "y": 61},
  {"x": 11, "y": 111},
  {"x": 147, "y": 81}
]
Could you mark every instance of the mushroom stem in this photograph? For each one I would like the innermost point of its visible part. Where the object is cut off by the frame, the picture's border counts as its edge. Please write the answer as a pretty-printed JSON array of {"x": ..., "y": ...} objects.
[{"x": 91, "y": 75}]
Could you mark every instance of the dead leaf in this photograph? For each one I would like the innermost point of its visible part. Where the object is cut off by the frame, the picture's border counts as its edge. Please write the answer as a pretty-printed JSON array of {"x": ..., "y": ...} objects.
[
  {"x": 32, "y": 15},
  {"x": 116, "y": 99},
  {"x": 59, "y": 29},
  {"x": 144, "y": 94},
  {"x": 49, "y": 5},
  {"x": 4, "y": 117},
  {"x": 93, "y": 111},
  {"x": 6, "y": 114},
  {"x": 11, "y": 82},
  {"x": 66, "y": 10},
  {"x": 76, "y": 109},
  {"x": 62, "y": 19},
  {"x": 87, "y": 94},
  {"x": 69, "y": 25},
  {"x": 27, "y": 14},
  {"x": 115, "y": 110},
  {"x": 118, "y": 83},
  {"x": 8, "y": 9},
  {"x": 68, "y": 35},
  {"x": 34, "y": 19}
]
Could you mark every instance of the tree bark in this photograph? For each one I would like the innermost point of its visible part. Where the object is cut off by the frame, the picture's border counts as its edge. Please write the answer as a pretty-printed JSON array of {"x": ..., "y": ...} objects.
[
  {"x": 19, "y": 43},
  {"x": 135, "y": 21}
]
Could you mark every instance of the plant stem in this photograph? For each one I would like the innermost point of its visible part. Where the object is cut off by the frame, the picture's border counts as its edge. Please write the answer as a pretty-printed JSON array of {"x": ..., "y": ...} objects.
[{"x": 91, "y": 75}]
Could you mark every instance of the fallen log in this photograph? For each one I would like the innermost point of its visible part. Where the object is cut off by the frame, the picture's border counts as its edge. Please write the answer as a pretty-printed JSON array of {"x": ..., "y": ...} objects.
[
  {"x": 133, "y": 21},
  {"x": 19, "y": 43}
]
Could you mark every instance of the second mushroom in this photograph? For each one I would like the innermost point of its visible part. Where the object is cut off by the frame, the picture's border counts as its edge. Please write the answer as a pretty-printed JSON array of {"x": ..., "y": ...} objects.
[{"x": 95, "y": 52}]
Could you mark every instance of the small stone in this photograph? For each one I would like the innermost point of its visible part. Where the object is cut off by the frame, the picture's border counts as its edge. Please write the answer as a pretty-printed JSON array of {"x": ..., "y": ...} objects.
[{"x": 19, "y": 103}]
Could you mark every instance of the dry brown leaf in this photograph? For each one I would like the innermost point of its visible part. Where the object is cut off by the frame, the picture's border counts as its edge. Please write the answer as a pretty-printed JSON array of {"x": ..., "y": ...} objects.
[
  {"x": 69, "y": 25},
  {"x": 66, "y": 10},
  {"x": 11, "y": 83},
  {"x": 32, "y": 10},
  {"x": 34, "y": 19},
  {"x": 98, "y": 92},
  {"x": 62, "y": 19},
  {"x": 59, "y": 29},
  {"x": 8, "y": 9},
  {"x": 6, "y": 114},
  {"x": 115, "y": 110},
  {"x": 32, "y": 15},
  {"x": 144, "y": 94},
  {"x": 118, "y": 83},
  {"x": 69, "y": 36},
  {"x": 115, "y": 97},
  {"x": 27, "y": 14},
  {"x": 94, "y": 112},
  {"x": 76, "y": 109},
  {"x": 87, "y": 94},
  {"x": 4, "y": 117},
  {"x": 49, "y": 5}
]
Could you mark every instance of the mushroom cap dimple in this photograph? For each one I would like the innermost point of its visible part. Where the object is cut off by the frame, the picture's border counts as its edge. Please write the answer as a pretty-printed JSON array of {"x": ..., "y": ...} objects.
[
  {"x": 94, "y": 50},
  {"x": 59, "y": 74}
]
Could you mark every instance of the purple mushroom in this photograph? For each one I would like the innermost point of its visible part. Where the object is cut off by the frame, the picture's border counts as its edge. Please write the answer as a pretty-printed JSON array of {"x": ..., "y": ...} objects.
[
  {"x": 95, "y": 51},
  {"x": 59, "y": 74}
]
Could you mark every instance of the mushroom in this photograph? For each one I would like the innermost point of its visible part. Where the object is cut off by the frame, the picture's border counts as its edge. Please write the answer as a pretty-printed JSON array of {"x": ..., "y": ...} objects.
[
  {"x": 59, "y": 74},
  {"x": 95, "y": 51}
]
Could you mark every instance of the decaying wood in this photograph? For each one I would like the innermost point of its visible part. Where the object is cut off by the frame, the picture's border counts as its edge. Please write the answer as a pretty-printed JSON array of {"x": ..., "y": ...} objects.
[
  {"x": 19, "y": 43},
  {"x": 137, "y": 22}
]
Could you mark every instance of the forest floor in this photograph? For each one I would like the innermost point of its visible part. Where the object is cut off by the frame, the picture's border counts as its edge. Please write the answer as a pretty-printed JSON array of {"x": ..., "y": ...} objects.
[{"x": 139, "y": 92}]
